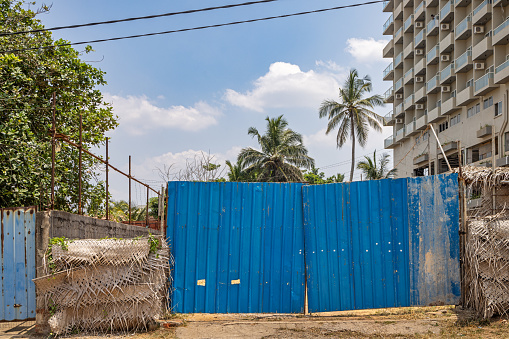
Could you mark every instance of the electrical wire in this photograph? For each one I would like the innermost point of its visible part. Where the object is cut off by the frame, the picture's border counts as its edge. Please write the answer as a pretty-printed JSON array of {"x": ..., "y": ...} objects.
[
  {"x": 195, "y": 28},
  {"x": 137, "y": 18}
]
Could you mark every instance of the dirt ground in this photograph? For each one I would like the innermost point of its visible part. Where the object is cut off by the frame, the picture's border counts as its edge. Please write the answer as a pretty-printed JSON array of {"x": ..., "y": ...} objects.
[{"x": 413, "y": 322}]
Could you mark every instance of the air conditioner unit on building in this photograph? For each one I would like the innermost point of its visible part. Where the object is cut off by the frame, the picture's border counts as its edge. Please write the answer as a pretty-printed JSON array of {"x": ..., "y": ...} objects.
[
  {"x": 445, "y": 27},
  {"x": 419, "y": 79},
  {"x": 399, "y": 96},
  {"x": 445, "y": 57},
  {"x": 419, "y": 51},
  {"x": 419, "y": 106},
  {"x": 479, "y": 65},
  {"x": 478, "y": 29},
  {"x": 419, "y": 24},
  {"x": 446, "y": 88},
  {"x": 399, "y": 121}
]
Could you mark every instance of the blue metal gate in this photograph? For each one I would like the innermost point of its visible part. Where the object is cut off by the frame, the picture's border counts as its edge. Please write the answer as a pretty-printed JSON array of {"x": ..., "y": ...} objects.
[
  {"x": 238, "y": 247},
  {"x": 17, "y": 301},
  {"x": 382, "y": 243}
]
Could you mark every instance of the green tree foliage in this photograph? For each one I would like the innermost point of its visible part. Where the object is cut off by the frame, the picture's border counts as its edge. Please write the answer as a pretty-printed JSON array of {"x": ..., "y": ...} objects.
[
  {"x": 282, "y": 153},
  {"x": 374, "y": 170},
  {"x": 314, "y": 177},
  {"x": 238, "y": 172},
  {"x": 27, "y": 81},
  {"x": 353, "y": 115}
]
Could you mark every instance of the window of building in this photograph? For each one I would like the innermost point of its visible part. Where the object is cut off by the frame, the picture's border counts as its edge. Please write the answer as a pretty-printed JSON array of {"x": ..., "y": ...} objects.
[
  {"x": 473, "y": 110},
  {"x": 498, "y": 108},
  {"x": 455, "y": 119},
  {"x": 506, "y": 142},
  {"x": 490, "y": 69},
  {"x": 422, "y": 138},
  {"x": 470, "y": 83},
  {"x": 443, "y": 126},
  {"x": 488, "y": 102}
]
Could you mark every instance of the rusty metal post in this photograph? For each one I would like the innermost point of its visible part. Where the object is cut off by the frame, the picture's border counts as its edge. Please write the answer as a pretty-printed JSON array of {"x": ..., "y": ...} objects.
[
  {"x": 80, "y": 211},
  {"x": 129, "y": 190},
  {"x": 146, "y": 222},
  {"x": 53, "y": 140},
  {"x": 107, "y": 184}
]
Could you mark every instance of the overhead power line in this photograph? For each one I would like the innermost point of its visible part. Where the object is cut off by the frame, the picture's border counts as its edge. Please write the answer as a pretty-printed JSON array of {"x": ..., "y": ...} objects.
[
  {"x": 196, "y": 28},
  {"x": 138, "y": 18}
]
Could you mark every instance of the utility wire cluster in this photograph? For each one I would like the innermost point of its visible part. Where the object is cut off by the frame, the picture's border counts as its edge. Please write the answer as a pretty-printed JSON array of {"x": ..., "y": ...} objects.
[{"x": 172, "y": 31}]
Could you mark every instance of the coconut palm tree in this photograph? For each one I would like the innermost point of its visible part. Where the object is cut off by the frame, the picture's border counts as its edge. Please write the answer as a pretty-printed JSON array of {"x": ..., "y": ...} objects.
[
  {"x": 374, "y": 171},
  {"x": 282, "y": 153},
  {"x": 353, "y": 115}
]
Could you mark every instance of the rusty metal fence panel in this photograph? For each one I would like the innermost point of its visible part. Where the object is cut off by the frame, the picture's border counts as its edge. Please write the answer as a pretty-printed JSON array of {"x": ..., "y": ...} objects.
[
  {"x": 382, "y": 243},
  {"x": 17, "y": 300},
  {"x": 238, "y": 247}
]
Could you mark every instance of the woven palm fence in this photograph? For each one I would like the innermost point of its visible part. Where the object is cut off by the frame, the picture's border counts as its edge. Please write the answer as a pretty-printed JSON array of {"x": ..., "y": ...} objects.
[{"x": 104, "y": 285}]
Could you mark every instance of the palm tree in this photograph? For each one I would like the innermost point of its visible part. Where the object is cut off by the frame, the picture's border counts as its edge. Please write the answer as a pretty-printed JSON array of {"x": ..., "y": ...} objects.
[
  {"x": 353, "y": 114},
  {"x": 282, "y": 153},
  {"x": 372, "y": 171}
]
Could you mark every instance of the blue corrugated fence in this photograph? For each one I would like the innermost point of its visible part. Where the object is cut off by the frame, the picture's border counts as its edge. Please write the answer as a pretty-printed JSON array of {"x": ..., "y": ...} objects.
[
  {"x": 17, "y": 250},
  {"x": 239, "y": 247}
]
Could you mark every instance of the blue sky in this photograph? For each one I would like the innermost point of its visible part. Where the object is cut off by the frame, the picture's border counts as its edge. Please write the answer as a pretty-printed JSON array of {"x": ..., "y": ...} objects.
[{"x": 183, "y": 93}]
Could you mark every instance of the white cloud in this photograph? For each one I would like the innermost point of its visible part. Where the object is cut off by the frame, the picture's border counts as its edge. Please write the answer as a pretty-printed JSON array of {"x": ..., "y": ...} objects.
[
  {"x": 320, "y": 139},
  {"x": 286, "y": 86},
  {"x": 366, "y": 50},
  {"x": 138, "y": 115}
]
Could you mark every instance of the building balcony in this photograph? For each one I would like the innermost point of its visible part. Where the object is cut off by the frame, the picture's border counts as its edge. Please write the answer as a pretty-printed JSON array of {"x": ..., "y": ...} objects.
[
  {"x": 389, "y": 72},
  {"x": 408, "y": 25},
  {"x": 434, "y": 115},
  {"x": 501, "y": 33},
  {"x": 431, "y": 3},
  {"x": 461, "y": 3},
  {"x": 483, "y": 49},
  {"x": 389, "y": 95},
  {"x": 398, "y": 11},
  {"x": 421, "y": 158},
  {"x": 421, "y": 122},
  {"x": 432, "y": 56},
  {"x": 502, "y": 73},
  {"x": 389, "y": 49},
  {"x": 449, "y": 146},
  {"x": 482, "y": 13},
  {"x": 466, "y": 96},
  {"x": 400, "y": 134},
  {"x": 408, "y": 78},
  {"x": 388, "y": 28},
  {"x": 388, "y": 6},
  {"x": 398, "y": 60},
  {"x": 484, "y": 131},
  {"x": 447, "y": 44},
  {"x": 447, "y": 12},
  {"x": 410, "y": 129},
  {"x": 463, "y": 29},
  {"x": 449, "y": 106},
  {"x": 389, "y": 119},
  {"x": 398, "y": 36},
  {"x": 432, "y": 27},
  {"x": 447, "y": 75},
  {"x": 409, "y": 102},
  {"x": 502, "y": 3},
  {"x": 433, "y": 85},
  {"x": 420, "y": 67},
  {"x": 389, "y": 142},
  {"x": 408, "y": 3},
  {"x": 408, "y": 52},
  {"x": 484, "y": 84},
  {"x": 464, "y": 62},
  {"x": 419, "y": 11},
  {"x": 420, "y": 39},
  {"x": 420, "y": 94},
  {"x": 398, "y": 111},
  {"x": 398, "y": 86}
]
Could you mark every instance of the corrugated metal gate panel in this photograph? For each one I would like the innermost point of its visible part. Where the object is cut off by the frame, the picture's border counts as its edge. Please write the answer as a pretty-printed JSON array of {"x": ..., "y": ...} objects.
[
  {"x": 365, "y": 243},
  {"x": 238, "y": 247},
  {"x": 17, "y": 301},
  {"x": 434, "y": 226}
]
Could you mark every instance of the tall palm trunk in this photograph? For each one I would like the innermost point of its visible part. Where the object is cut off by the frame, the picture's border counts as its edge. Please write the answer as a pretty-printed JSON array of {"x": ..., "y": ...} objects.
[{"x": 353, "y": 147}]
